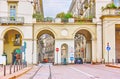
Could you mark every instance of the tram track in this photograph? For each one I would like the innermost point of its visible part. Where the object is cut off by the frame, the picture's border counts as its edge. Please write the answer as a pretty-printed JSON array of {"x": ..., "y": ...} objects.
[
  {"x": 40, "y": 72},
  {"x": 35, "y": 72}
]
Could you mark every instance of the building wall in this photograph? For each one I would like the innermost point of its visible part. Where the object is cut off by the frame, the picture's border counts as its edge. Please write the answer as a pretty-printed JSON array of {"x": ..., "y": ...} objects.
[
  {"x": 109, "y": 33},
  {"x": 3, "y": 12},
  {"x": 64, "y": 33},
  {"x": 58, "y": 44},
  {"x": 24, "y": 9},
  {"x": 98, "y": 10},
  {"x": 26, "y": 37}
]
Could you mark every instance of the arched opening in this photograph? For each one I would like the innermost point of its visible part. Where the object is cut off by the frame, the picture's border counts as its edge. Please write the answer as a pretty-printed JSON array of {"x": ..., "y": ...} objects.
[
  {"x": 83, "y": 46},
  {"x": 117, "y": 34},
  {"x": 12, "y": 45},
  {"x": 45, "y": 46},
  {"x": 64, "y": 53}
]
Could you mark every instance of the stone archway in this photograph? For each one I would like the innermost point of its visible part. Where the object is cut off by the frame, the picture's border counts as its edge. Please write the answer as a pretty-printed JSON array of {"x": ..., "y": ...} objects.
[
  {"x": 45, "y": 46},
  {"x": 12, "y": 41},
  {"x": 83, "y": 45},
  {"x": 64, "y": 53}
]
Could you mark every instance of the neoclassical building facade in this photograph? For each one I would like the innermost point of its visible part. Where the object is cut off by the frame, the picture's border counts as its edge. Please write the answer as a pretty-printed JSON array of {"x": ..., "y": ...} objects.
[{"x": 59, "y": 42}]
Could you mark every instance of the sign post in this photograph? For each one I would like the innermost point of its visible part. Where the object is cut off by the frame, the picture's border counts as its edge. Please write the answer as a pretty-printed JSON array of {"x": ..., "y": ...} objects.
[
  {"x": 23, "y": 48},
  {"x": 108, "y": 49},
  {"x": 57, "y": 49}
]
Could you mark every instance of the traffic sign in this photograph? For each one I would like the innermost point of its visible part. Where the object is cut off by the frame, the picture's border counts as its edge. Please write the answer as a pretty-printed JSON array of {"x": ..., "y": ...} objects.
[
  {"x": 57, "y": 49},
  {"x": 71, "y": 58},
  {"x": 108, "y": 47}
]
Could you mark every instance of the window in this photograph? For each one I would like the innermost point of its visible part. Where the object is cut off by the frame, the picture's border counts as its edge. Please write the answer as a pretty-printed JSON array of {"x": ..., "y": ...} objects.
[{"x": 12, "y": 11}]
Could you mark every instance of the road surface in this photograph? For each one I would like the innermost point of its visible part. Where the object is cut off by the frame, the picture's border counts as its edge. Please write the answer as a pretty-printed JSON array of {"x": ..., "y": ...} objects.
[{"x": 78, "y": 71}]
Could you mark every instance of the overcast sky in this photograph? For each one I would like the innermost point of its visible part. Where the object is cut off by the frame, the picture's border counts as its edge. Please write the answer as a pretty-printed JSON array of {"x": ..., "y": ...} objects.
[{"x": 52, "y": 7}]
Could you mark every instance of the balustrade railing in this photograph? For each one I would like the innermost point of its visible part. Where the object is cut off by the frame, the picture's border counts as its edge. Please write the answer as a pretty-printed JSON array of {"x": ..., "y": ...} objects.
[{"x": 11, "y": 20}]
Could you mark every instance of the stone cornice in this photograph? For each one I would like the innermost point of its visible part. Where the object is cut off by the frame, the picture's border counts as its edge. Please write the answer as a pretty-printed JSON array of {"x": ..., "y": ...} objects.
[
  {"x": 110, "y": 16},
  {"x": 29, "y": 39},
  {"x": 84, "y": 23}
]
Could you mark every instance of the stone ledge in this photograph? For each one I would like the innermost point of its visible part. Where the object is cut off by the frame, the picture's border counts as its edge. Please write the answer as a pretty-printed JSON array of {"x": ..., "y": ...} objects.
[
  {"x": 17, "y": 74},
  {"x": 112, "y": 65}
]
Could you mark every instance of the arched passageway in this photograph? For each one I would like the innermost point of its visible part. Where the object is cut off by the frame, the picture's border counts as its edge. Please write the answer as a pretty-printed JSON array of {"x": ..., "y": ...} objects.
[
  {"x": 83, "y": 46},
  {"x": 12, "y": 45},
  {"x": 45, "y": 46}
]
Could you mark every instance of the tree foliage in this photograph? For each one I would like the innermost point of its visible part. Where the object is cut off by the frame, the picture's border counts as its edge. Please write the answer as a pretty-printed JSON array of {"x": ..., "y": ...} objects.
[
  {"x": 64, "y": 16},
  {"x": 38, "y": 16},
  {"x": 68, "y": 15},
  {"x": 60, "y": 15}
]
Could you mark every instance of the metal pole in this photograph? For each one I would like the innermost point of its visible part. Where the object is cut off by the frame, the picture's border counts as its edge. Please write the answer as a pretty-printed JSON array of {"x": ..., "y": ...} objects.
[
  {"x": 4, "y": 70},
  {"x": 108, "y": 57},
  {"x": 57, "y": 57},
  {"x": 10, "y": 68},
  {"x": 14, "y": 68}
]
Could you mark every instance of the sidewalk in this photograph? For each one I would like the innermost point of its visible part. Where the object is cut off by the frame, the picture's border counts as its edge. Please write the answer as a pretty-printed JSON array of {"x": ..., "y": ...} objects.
[
  {"x": 113, "y": 65},
  {"x": 13, "y": 75}
]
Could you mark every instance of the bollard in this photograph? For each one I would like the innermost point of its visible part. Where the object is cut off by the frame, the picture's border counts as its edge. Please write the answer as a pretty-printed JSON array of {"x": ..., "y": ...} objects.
[
  {"x": 17, "y": 67},
  {"x": 103, "y": 61},
  {"x": 112, "y": 61},
  {"x": 14, "y": 68},
  {"x": 10, "y": 68},
  {"x": 4, "y": 70}
]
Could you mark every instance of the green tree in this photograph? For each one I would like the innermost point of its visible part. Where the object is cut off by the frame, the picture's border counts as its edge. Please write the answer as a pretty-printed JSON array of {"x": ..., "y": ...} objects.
[
  {"x": 60, "y": 15},
  {"x": 38, "y": 16},
  {"x": 68, "y": 15},
  {"x": 64, "y": 16},
  {"x": 48, "y": 19},
  {"x": 111, "y": 6}
]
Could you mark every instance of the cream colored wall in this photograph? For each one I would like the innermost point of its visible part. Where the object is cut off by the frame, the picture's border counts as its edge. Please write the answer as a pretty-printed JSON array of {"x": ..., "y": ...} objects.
[
  {"x": 71, "y": 29},
  {"x": 109, "y": 36},
  {"x": 56, "y": 29},
  {"x": 3, "y": 8},
  {"x": 26, "y": 33},
  {"x": 24, "y": 9}
]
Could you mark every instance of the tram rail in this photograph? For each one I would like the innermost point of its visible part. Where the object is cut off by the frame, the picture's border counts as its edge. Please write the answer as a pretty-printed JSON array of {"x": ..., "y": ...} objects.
[{"x": 38, "y": 71}]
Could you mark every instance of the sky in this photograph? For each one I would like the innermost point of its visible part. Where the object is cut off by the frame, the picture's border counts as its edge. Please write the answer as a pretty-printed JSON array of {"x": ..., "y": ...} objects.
[
  {"x": 117, "y": 2},
  {"x": 53, "y": 7}
]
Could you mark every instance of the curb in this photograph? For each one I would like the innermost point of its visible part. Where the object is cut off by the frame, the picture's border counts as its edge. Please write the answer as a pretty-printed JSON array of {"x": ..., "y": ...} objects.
[
  {"x": 114, "y": 66},
  {"x": 18, "y": 75}
]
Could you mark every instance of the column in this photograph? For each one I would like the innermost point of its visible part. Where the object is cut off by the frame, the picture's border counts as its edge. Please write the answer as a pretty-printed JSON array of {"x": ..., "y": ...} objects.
[
  {"x": 1, "y": 47},
  {"x": 88, "y": 51},
  {"x": 99, "y": 43},
  {"x": 28, "y": 51},
  {"x": 35, "y": 53},
  {"x": 94, "y": 50}
]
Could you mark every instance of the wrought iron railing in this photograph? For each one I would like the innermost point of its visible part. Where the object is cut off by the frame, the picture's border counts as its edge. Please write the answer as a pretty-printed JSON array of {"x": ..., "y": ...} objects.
[{"x": 11, "y": 20}]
